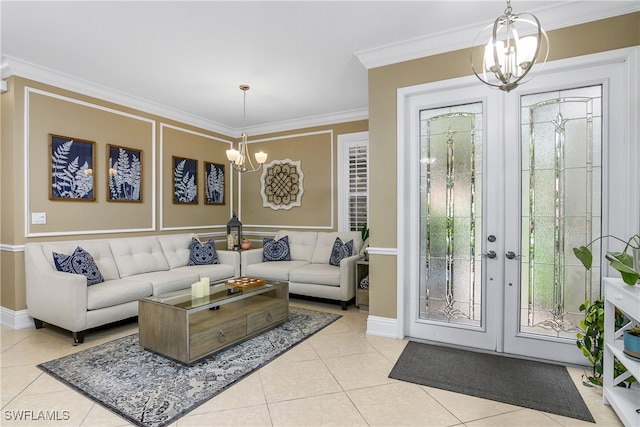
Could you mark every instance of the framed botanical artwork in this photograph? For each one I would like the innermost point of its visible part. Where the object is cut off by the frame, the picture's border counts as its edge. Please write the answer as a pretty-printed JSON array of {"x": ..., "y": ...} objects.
[
  {"x": 214, "y": 184},
  {"x": 124, "y": 179},
  {"x": 185, "y": 180},
  {"x": 71, "y": 161}
]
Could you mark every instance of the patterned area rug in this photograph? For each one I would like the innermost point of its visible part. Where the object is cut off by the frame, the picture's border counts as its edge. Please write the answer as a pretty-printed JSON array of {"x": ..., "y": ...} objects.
[{"x": 151, "y": 390}]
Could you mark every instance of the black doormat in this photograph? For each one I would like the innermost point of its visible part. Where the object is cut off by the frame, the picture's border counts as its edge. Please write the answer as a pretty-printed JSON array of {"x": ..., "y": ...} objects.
[{"x": 535, "y": 385}]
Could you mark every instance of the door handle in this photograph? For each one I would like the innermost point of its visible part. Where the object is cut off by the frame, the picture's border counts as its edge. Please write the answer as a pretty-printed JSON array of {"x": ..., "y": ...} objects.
[
  {"x": 512, "y": 255},
  {"x": 490, "y": 254}
]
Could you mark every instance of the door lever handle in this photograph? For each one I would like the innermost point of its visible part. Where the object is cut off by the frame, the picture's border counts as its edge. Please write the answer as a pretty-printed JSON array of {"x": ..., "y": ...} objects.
[
  {"x": 490, "y": 254},
  {"x": 512, "y": 255}
]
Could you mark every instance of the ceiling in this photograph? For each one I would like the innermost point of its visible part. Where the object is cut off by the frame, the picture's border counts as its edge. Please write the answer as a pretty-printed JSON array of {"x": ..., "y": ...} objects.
[{"x": 304, "y": 60}]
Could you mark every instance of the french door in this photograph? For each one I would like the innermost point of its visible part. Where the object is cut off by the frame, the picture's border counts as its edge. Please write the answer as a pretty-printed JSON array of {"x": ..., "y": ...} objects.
[{"x": 504, "y": 186}]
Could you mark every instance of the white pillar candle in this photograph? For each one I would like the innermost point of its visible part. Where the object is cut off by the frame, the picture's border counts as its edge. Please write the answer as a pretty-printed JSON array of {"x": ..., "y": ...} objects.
[
  {"x": 204, "y": 287},
  {"x": 195, "y": 290}
]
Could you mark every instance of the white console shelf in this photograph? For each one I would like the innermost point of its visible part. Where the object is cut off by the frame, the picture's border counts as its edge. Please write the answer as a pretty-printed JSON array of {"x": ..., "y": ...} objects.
[{"x": 626, "y": 299}]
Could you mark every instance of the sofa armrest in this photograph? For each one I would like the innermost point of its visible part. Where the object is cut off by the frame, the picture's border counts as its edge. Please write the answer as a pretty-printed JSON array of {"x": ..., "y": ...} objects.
[
  {"x": 250, "y": 256},
  {"x": 52, "y": 296},
  {"x": 348, "y": 277},
  {"x": 231, "y": 258}
]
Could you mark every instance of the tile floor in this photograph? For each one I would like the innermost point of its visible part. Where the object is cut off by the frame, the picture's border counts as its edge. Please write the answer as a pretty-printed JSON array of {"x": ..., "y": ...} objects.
[{"x": 337, "y": 377}]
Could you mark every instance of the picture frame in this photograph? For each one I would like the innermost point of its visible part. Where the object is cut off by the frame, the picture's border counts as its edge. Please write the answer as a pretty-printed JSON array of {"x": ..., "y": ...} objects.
[
  {"x": 124, "y": 174},
  {"x": 214, "y": 183},
  {"x": 71, "y": 169},
  {"x": 185, "y": 180}
]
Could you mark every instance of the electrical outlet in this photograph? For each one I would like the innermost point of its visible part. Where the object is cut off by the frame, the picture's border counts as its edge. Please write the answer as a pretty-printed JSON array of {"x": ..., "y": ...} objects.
[{"x": 38, "y": 218}]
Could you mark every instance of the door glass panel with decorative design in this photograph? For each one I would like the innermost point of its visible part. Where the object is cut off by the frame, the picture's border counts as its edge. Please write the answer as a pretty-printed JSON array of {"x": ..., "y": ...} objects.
[
  {"x": 451, "y": 214},
  {"x": 561, "y": 190}
]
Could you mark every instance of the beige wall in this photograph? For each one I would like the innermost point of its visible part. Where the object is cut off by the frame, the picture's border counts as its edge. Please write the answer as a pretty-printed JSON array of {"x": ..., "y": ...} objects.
[
  {"x": 60, "y": 112},
  {"x": 608, "y": 34},
  {"x": 316, "y": 149},
  {"x": 182, "y": 143}
]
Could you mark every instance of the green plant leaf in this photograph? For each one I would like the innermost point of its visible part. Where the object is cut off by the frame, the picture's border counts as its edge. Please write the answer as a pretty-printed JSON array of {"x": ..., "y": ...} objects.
[
  {"x": 623, "y": 257},
  {"x": 629, "y": 275},
  {"x": 584, "y": 255}
]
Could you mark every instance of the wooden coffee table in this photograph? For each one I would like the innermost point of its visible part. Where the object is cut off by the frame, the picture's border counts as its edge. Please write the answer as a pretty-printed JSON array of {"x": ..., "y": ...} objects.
[{"x": 187, "y": 329}]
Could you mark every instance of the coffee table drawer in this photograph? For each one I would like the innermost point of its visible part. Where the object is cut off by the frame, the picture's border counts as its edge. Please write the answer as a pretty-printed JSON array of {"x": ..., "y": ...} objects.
[
  {"x": 217, "y": 336},
  {"x": 267, "y": 317}
]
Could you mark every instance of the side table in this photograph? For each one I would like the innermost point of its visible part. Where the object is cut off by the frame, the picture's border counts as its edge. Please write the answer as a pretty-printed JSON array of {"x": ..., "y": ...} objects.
[{"x": 362, "y": 295}]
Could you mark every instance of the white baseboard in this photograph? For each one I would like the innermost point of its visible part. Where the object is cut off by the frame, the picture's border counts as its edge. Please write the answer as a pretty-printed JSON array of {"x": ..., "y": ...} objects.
[
  {"x": 15, "y": 319},
  {"x": 382, "y": 327}
]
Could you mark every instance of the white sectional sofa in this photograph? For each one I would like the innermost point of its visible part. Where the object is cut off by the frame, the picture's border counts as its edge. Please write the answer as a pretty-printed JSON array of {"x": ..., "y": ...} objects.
[
  {"x": 309, "y": 272},
  {"x": 132, "y": 268}
]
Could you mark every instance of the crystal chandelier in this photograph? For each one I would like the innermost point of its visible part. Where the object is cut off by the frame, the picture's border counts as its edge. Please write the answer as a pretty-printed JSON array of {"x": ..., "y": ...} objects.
[
  {"x": 508, "y": 57},
  {"x": 240, "y": 159}
]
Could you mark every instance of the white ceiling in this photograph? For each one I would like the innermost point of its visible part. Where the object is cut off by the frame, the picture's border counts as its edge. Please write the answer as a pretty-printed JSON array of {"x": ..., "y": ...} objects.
[{"x": 303, "y": 59}]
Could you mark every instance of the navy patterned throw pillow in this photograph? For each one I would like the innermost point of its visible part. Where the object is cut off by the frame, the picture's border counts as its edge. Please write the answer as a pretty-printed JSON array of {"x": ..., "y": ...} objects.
[
  {"x": 203, "y": 253},
  {"x": 340, "y": 250},
  {"x": 79, "y": 262},
  {"x": 276, "y": 250}
]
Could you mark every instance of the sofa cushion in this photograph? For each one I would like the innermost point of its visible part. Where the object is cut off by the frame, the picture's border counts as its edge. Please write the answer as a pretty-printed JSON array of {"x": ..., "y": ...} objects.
[
  {"x": 203, "y": 253},
  {"x": 316, "y": 274},
  {"x": 79, "y": 262},
  {"x": 99, "y": 250},
  {"x": 340, "y": 250},
  {"x": 137, "y": 255},
  {"x": 273, "y": 270},
  {"x": 114, "y": 292},
  {"x": 324, "y": 246},
  {"x": 276, "y": 250},
  {"x": 169, "y": 281},
  {"x": 214, "y": 272},
  {"x": 301, "y": 244},
  {"x": 176, "y": 248}
]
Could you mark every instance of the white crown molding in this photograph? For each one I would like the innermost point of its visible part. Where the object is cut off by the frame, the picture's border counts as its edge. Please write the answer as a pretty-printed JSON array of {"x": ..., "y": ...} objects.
[
  {"x": 552, "y": 17},
  {"x": 12, "y": 66},
  {"x": 308, "y": 122}
]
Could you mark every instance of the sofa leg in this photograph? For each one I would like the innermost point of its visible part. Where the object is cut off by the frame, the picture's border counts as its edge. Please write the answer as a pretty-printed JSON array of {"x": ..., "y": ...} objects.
[
  {"x": 39, "y": 323},
  {"x": 78, "y": 337},
  {"x": 344, "y": 304}
]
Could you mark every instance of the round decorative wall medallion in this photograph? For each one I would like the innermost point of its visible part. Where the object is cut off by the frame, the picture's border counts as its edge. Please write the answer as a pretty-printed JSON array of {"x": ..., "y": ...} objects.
[{"x": 281, "y": 184}]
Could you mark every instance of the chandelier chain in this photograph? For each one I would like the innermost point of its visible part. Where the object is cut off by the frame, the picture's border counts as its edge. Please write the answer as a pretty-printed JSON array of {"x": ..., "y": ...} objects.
[
  {"x": 239, "y": 159},
  {"x": 508, "y": 10}
]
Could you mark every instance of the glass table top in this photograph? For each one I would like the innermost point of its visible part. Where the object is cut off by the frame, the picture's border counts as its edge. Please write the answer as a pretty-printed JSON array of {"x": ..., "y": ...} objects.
[{"x": 218, "y": 294}]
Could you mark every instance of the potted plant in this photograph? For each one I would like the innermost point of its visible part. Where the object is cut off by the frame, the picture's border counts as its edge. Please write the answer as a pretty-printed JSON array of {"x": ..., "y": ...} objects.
[
  {"x": 365, "y": 241},
  {"x": 591, "y": 342},
  {"x": 632, "y": 342},
  {"x": 627, "y": 264},
  {"x": 591, "y": 338}
]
